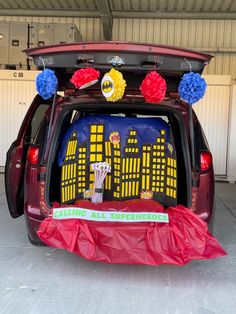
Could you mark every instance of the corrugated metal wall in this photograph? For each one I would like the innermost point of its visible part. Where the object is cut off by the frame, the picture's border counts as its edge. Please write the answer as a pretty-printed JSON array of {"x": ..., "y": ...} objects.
[
  {"x": 16, "y": 97},
  {"x": 90, "y": 28},
  {"x": 216, "y": 36}
]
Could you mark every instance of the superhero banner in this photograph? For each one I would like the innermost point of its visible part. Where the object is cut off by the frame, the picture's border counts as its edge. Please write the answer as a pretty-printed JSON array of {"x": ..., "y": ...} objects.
[{"x": 98, "y": 215}]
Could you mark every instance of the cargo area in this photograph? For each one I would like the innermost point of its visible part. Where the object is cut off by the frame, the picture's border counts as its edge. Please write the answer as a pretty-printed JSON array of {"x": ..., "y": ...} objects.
[{"x": 147, "y": 154}]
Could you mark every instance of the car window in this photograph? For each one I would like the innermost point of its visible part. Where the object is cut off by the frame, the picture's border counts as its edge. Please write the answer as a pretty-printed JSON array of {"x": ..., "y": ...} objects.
[{"x": 35, "y": 122}]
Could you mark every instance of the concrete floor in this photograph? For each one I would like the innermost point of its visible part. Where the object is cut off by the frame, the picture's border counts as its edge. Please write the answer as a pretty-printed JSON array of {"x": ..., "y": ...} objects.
[{"x": 45, "y": 280}]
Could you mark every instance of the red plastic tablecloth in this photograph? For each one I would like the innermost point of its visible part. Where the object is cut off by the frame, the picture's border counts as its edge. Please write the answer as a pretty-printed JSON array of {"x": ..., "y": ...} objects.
[{"x": 183, "y": 239}]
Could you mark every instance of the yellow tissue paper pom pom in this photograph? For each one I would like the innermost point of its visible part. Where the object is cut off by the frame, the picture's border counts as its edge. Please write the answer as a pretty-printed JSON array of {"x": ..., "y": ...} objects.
[{"x": 118, "y": 88}]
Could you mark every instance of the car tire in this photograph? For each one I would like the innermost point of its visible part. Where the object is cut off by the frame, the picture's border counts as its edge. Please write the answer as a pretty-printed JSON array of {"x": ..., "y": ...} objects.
[
  {"x": 212, "y": 222},
  {"x": 36, "y": 242}
]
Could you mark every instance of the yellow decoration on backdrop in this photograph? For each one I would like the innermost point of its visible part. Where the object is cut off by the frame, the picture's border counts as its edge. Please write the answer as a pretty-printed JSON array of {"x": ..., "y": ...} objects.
[{"x": 118, "y": 87}]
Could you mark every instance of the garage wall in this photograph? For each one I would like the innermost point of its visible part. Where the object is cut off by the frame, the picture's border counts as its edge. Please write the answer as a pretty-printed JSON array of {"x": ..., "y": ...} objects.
[
  {"x": 90, "y": 28},
  {"x": 204, "y": 35},
  {"x": 17, "y": 89}
]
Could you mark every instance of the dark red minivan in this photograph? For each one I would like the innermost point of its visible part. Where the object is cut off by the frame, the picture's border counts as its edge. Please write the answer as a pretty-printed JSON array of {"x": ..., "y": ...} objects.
[{"x": 33, "y": 173}]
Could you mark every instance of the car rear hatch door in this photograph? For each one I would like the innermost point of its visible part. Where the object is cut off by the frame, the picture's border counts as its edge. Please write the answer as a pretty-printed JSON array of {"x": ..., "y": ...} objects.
[{"x": 133, "y": 60}]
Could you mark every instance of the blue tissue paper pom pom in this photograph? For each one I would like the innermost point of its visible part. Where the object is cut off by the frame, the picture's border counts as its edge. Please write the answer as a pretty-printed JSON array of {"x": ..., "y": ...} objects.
[
  {"x": 192, "y": 87},
  {"x": 46, "y": 83}
]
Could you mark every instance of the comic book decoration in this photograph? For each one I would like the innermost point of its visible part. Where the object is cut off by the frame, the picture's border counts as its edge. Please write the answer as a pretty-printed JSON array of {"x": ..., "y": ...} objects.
[
  {"x": 113, "y": 85},
  {"x": 192, "y": 87},
  {"x": 100, "y": 171},
  {"x": 140, "y": 151},
  {"x": 46, "y": 83},
  {"x": 85, "y": 77},
  {"x": 153, "y": 87},
  {"x": 178, "y": 241}
]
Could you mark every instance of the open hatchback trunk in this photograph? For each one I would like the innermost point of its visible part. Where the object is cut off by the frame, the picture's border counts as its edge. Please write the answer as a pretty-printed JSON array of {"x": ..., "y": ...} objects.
[{"x": 141, "y": 210}]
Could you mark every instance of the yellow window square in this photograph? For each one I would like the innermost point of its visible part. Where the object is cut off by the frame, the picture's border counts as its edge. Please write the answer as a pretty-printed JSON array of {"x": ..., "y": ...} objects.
[
  {"x": 148, "y": 148},
  {"x": 93, "y": 148},
  {"x": 93, "y": 138},
  {"x": 162, "y": 154},
  {"x": 92, "y": 157},
  {"x": 99, "y": 157},
  {"x": 158, "y": 160},
  {"x": 99, "y": 147},
  {"x": 161, "y": 184},
  {"x": 99, "y": 138},
  {"x": 158, "y": 154},
  {"x": 162, "y": 178},
  {"x": 154, "y": 160},
  {"x": 154, "y": 146},
  {"x": 100, "y": 128},
  {"x": 158, "y": 140},
  {"x": 162, "y": 140},
  {"x": 161, "y": 190},
  {"x": 93, "y": 128},
  {"x": 163, "y": 167},
  {"x": 158, "y": 166}
]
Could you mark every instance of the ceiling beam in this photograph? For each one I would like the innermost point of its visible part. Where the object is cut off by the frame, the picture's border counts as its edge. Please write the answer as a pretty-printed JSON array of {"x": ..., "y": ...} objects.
[
  {"x": 106, "y": 17},
  {"x": 48, "y": 13},
  {"x": 121, "y": 14}
]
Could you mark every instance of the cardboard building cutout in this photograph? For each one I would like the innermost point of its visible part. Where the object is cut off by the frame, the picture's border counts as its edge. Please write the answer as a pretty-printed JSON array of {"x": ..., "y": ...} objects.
[{"x": 140, "y": 151}]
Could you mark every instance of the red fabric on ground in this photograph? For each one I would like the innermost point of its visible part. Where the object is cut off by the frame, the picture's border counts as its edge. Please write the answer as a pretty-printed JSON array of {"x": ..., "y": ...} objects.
[{"x": 183, "y": 239}]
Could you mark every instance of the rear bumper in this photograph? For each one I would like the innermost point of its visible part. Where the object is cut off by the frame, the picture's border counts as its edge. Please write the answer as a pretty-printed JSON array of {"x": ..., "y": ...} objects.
[{"x": 32, "y": 226}]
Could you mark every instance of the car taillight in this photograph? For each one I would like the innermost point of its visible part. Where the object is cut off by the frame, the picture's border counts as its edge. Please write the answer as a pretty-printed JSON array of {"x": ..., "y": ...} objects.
[
  {"x": 206, "y": 161},
  {"x": 33, "y": 155}
]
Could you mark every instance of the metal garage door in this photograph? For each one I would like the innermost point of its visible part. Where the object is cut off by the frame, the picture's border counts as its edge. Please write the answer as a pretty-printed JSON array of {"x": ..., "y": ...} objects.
[
  {"x": 213, "y": 112},
  {"x": 17, "y": 89}
]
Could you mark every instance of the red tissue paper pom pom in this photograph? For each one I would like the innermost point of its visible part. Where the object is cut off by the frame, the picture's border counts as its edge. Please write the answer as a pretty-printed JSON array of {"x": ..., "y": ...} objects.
[
  {"x": 153, "y": 87},
  {"x": 85, "y": 77}
]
